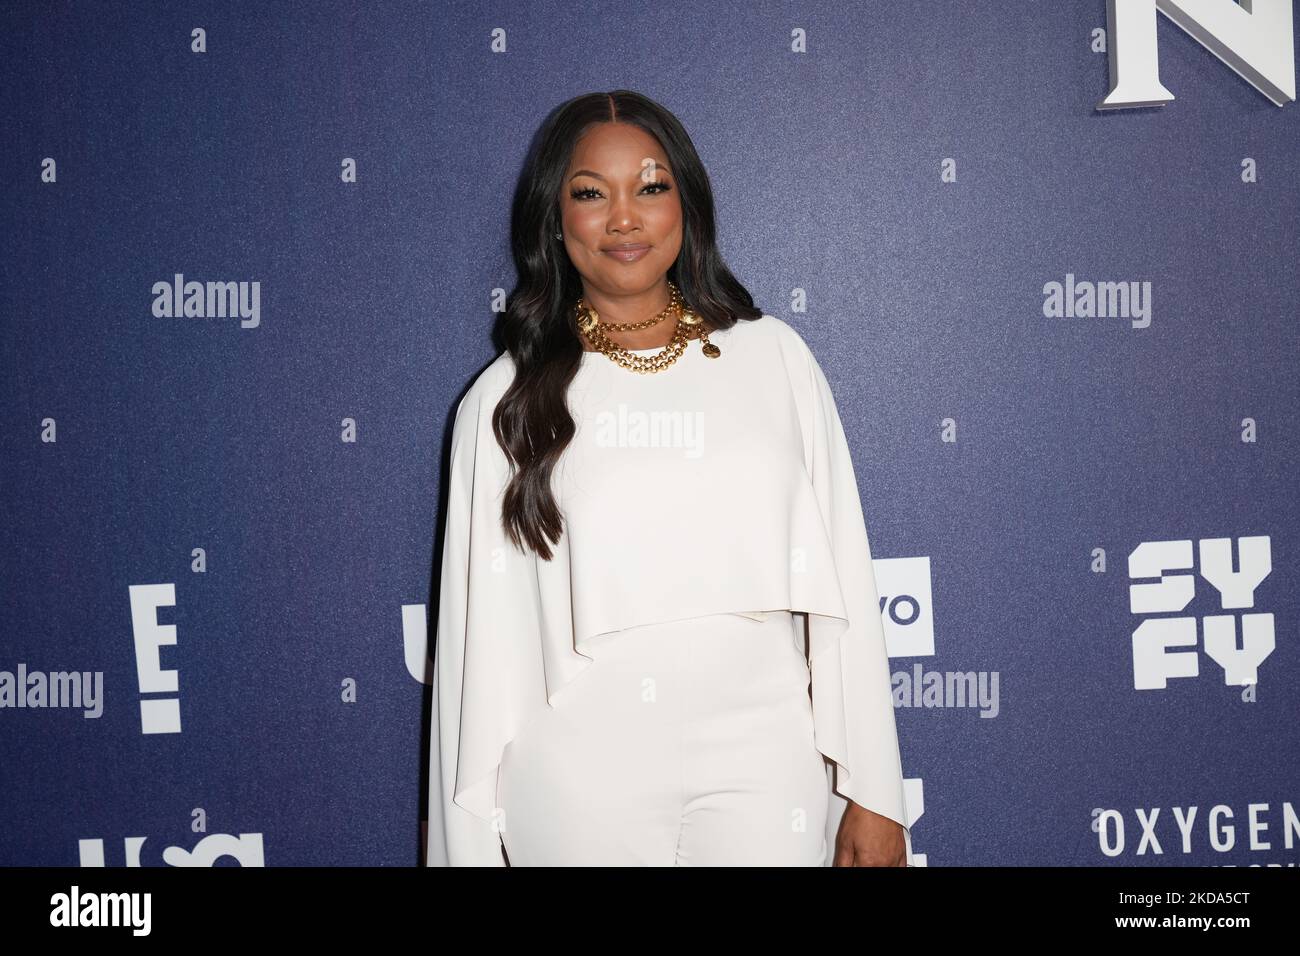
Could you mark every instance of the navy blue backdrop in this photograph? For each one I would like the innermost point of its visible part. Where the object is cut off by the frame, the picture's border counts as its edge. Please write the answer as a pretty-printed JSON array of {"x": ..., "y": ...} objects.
[{"x": 221, "y": 531}]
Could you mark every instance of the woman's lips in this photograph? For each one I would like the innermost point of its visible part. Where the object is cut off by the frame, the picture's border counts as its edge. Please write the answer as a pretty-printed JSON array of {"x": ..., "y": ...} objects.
[{"x": 628, "y": 253}]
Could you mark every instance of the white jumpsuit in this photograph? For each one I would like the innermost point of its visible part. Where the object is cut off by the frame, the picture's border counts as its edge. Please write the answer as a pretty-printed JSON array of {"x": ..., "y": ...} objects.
[
  {"x": 663, "y": 690},
  {"x": 688, "y": 743}
]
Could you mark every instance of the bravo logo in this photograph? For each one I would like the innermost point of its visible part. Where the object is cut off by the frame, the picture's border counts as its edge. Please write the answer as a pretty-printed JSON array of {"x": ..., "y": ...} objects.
[
  {"x": 1169, "y": 567},
  {"x": 1255, "y": 38}
]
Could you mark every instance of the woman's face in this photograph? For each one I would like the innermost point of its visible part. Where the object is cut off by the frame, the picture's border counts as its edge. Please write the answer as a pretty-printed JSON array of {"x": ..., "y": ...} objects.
[{"x": 619, "y": 191}]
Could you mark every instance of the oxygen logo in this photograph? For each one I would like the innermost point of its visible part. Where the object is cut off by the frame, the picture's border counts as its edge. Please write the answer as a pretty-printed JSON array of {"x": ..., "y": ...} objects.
[
  {"x": 1188, "y": 831},
  {"x": 1171, "y": 591}
]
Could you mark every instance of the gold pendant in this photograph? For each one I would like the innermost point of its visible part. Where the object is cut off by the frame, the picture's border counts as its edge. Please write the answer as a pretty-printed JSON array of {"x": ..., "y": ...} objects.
[{"x": 712, "y": 351}]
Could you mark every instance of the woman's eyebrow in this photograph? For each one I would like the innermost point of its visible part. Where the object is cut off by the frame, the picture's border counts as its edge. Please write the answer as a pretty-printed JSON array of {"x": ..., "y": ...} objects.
[{"x": 595, "y": 175}]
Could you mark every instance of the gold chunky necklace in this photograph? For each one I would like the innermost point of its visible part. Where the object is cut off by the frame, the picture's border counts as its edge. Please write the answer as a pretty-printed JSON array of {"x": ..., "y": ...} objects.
[{"x": 594, "y": 330}]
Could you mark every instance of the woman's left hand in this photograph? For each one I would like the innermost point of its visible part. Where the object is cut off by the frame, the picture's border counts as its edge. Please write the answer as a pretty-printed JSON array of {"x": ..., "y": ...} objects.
[{"x": 865, "y": 838}]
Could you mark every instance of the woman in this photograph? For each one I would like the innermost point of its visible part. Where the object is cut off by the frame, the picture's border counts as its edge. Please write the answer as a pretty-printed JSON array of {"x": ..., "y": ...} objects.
[{"x": 654, "y": 549}]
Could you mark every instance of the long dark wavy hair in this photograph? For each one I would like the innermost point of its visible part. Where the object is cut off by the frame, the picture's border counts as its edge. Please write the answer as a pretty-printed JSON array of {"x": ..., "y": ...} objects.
[{"x": 532, "y": 421}]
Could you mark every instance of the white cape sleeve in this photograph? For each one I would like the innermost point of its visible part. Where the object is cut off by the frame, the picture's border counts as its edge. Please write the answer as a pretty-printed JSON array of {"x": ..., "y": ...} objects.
[
  {"x": 486, "y": 622},
  {"x": 853, "y": 711}
]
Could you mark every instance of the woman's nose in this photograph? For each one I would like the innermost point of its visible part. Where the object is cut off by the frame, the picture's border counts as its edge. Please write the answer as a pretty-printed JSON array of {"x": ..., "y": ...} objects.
[{"x": 621, "y": 213}]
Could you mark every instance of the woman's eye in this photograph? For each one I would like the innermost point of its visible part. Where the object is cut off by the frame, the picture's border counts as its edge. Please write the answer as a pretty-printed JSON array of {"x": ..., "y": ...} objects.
[{"x": 590, "y": 192}]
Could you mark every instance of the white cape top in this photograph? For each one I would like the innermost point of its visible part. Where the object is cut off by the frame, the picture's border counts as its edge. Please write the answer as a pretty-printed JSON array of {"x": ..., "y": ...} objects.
[{"x": 716, "y": 486}]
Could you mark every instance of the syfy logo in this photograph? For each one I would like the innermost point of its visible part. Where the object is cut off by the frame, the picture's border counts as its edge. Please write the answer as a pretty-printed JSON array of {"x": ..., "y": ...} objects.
[
  {"x": 1253, "y": 37},
  {"x": 1153, "y": 661}
]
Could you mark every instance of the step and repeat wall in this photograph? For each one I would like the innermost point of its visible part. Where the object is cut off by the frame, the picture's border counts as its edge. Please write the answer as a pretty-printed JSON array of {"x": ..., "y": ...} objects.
[{"x": 254, "y": 255}]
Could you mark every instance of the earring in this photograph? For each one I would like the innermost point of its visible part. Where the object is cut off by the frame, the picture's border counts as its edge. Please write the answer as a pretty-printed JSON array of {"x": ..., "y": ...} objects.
[{"x": 558, "y": 236}]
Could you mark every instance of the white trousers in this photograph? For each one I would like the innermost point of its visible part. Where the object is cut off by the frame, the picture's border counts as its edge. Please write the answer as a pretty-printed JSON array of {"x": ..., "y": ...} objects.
[{"x": 688, "y": 743}]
